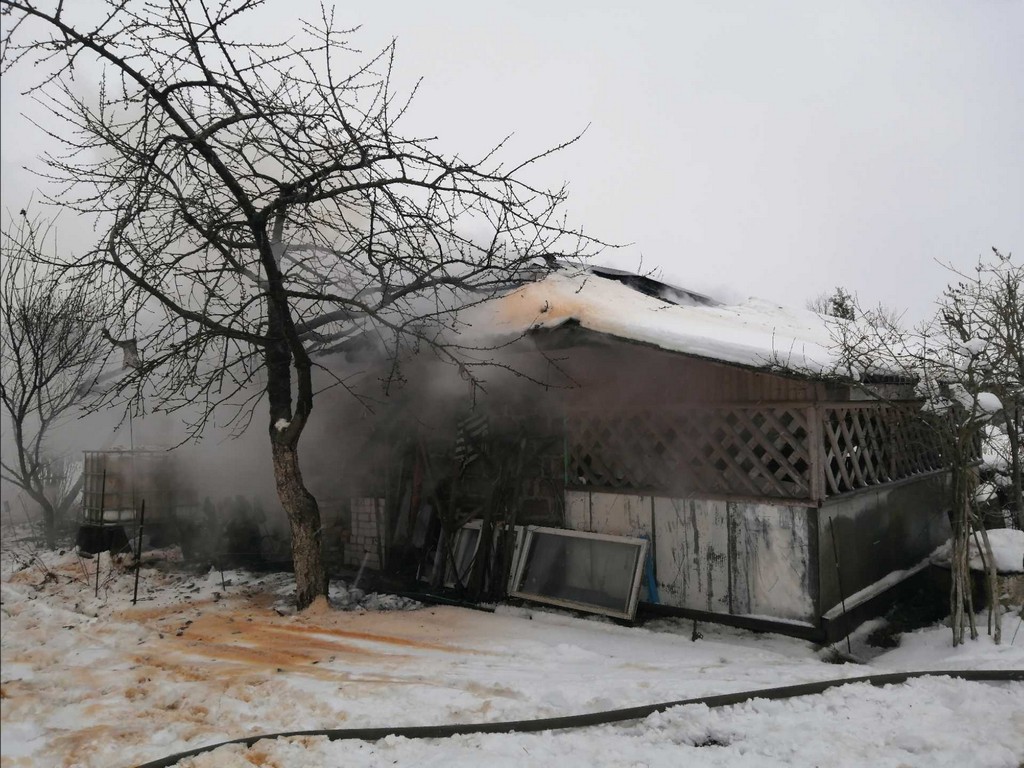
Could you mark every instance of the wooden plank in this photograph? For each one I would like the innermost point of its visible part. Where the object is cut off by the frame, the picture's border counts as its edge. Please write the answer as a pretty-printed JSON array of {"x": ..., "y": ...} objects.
[
  {"x": 864, "y": 450},
  {"x": 758, "y": 470},
  {"x": 772, "y": 565},
  {"x": 786, "y": 465},
  {"x": 620, "y": 514},
  {"x": 800, "y": 447},
  {"x": 851, "y": 448},
  {"x": 836, "y": 452},
  {"x": 736, "y": 471},
  {"x": 577, "y": 510},
  {"x": 691, "y": 553},
  {"x": 816, "y": 457}
]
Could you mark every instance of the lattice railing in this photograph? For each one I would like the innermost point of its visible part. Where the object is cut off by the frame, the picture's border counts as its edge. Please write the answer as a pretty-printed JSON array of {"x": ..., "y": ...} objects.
[
  {"x": 871, "y": 444},
  {"x": 739, "y": 451},
  {"x": 755, "y": 451}
]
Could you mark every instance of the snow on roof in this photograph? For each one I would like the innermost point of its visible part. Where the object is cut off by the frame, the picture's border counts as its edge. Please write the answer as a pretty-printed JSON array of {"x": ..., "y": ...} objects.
[{"x": 754, "y": 333}]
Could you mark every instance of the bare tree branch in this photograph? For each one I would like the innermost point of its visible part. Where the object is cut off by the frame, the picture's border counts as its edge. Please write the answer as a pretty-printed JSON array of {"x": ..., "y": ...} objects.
[{"x": 259, "y": 206}]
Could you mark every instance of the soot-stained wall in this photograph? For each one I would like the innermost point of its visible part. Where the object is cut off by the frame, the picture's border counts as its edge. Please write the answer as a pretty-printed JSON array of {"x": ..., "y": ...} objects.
[{"x": 720, "y": 556}]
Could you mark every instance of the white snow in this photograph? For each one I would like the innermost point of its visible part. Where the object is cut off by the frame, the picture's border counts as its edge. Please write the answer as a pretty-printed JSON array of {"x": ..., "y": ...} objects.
[
  {"x": 871, "y": 590},
  {"x": 94, "y": 681},
  {"x": 989, "y": 403},
  {"x": 1007, "y": 549},
  {"x": 985, "y": 492},
  {"x": 974, "y": 347},
  {"x": 995, "y": 450},
  {"x": 281, "y": 425},
  {"x": 756, "y": 332}
]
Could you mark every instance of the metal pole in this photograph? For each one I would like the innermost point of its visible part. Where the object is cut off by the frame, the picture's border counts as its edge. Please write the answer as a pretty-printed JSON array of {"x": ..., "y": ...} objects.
[
  {"x": 103, "y": 492},
  {"x": 138, "y": 552},
  {"x": 99, "y": 555}
]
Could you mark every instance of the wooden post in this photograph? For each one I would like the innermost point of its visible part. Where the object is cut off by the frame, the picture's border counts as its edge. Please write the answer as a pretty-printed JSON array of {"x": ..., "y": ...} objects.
[
  {"x": 103, "y": 493},
  {"x": 816, "y": 452},
  {"x": 138, "y": 552},
  {"x": 99, "y": 555}
]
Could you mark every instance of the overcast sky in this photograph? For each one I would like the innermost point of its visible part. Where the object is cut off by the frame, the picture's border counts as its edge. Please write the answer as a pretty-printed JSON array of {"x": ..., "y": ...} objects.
[{"x": 775, "y": 149}]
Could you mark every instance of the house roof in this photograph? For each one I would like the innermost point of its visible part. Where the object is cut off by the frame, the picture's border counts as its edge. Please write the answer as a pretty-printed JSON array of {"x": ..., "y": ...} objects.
[{"x": 754, "y": 333}]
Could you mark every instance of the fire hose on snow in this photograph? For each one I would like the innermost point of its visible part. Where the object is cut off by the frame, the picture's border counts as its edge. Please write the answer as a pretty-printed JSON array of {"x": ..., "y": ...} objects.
[{"x": 598, "y": 718}]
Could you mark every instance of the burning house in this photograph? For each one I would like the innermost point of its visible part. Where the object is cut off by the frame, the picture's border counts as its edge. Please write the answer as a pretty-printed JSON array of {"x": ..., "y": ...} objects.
[{"x": 656, "y": 447}]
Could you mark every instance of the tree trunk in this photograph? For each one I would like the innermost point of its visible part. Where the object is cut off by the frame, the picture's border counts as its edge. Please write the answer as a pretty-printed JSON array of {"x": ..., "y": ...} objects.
[
  {"x": 991, "y": 587},
  {"x": 286, "y": 428},
  {"x": 304, "y": 518},
  {"x": 961, "y": 606},
  {"x": 49, "y": 526},
  {"x": 1014, "y": 417},
  {"x": 46, "y": 512}
]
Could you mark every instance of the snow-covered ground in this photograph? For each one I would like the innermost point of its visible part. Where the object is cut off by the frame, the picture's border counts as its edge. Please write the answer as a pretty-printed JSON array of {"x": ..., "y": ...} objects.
[
  {"x": 95, "y": 681},
  {"x": 1007, "y": 550}
]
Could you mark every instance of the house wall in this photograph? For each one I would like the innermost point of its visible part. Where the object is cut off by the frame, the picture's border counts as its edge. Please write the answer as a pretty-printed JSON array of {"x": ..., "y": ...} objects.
[
  {"x": 720, "y": 556},
  {"x": 607, "y": 371},
  {"x": 643, "y": 420},
  {"x": 879, "y": 530}
]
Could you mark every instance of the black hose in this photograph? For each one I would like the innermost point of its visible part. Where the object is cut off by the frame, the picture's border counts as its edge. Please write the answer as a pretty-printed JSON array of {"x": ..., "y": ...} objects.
[{"x": 598, "y": 718}]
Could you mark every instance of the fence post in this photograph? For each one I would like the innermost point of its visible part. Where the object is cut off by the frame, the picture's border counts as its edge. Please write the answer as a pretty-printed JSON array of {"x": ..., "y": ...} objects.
[
  {"x": 816, "y": 452},
  {"x": 138, "y": 552}
]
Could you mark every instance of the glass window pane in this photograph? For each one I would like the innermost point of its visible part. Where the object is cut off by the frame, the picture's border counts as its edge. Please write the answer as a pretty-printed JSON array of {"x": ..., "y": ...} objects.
[{"x": 591, "y": 571}]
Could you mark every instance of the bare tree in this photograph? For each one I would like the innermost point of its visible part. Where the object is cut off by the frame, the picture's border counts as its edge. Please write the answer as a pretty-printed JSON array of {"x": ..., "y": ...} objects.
[
  {"x": 845, "y": 305},
  {"x": 49, "y": 350},
  {"x": 984, "y": 312},
  {"x": 965, "y": 376},
  {"x": 259, "y": 206},
  {"x": 839, "y": 303}
]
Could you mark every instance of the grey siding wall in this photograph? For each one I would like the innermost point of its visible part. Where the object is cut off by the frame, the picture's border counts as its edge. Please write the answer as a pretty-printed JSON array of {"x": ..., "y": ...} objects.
[
  {"x": 879, "y": 530},
  {"x": 712, "y": 555}
]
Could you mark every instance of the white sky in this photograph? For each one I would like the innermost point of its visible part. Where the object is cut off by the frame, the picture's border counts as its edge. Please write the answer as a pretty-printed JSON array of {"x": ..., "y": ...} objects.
[{"x": 772, "y": 149}]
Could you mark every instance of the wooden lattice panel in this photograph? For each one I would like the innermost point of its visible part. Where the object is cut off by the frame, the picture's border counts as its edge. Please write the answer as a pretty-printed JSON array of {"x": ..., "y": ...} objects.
[
  {"x": 738, "y": 451},
  {"x": 872, "y": 444}
]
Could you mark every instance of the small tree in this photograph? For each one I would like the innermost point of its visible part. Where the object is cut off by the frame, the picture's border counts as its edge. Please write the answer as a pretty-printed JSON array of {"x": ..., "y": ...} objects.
[
  {"x": 258, "y": 208},
  {"x": 839, "y": 304},
  {"x": 49, "y": 350},
  {"x": 984, "y": 312},
  {"x": 960, "y": 360}
]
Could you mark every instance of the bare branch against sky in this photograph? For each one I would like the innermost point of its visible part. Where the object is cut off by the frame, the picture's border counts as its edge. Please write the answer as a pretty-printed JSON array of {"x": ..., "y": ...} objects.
[
  {"x": 258, "y": 204},
  {"x": 773, "y": 149}
]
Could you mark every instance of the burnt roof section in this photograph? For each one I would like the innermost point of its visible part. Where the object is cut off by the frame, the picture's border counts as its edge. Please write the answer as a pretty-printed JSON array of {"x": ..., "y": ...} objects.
[{"x": 655, "y": 288}]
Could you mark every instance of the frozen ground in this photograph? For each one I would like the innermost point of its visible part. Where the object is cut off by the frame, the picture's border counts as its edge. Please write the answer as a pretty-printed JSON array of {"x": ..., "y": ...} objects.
[{"x": 95, "y": 681}]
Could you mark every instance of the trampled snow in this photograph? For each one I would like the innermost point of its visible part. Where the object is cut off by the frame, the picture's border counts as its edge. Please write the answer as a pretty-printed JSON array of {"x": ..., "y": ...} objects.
[{"x": 94, "y": 681}]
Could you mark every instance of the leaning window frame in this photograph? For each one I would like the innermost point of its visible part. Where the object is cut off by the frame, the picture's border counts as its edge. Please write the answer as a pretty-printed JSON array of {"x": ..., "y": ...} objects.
[
  {"x": 451, "y": 574},
  {"x": 638, "y": 572},
  {"x": 519, "y": 534}
]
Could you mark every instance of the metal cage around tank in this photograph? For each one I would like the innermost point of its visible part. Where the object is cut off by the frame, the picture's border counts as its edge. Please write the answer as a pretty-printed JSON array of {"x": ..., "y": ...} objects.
[{"x": 115, "y": 483}]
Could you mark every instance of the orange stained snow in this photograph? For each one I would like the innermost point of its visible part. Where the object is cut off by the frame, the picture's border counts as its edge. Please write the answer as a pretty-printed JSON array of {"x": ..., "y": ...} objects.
[
  {"x": 539, "y": 304},
  {"x": 236, "y": 648}
]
